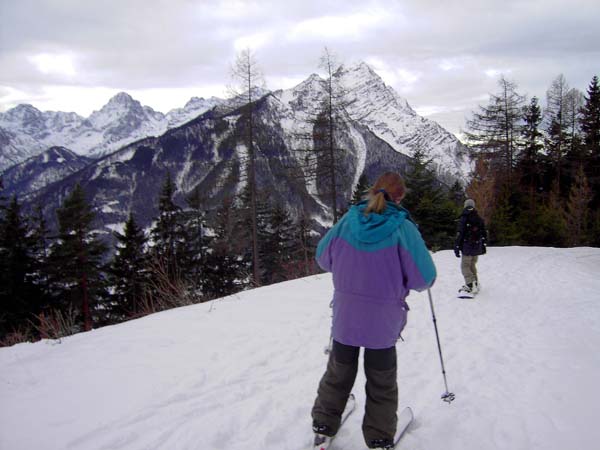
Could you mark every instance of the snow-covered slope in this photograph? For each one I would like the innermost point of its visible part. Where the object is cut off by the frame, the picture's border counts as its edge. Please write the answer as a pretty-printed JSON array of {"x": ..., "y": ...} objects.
[
  {"x": 241, "y": 373},
  {"x": 38, "y": 171},
  {"x": 192, "y": 109}
]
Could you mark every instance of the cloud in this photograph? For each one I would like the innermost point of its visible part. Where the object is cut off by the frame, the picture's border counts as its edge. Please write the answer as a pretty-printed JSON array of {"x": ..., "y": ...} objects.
[
  {"x": 438, "y": 54},
  {"x": 253, "y": 41},
  {"x": 52, "y": 63},
  {"x": 351, "y": 26}
]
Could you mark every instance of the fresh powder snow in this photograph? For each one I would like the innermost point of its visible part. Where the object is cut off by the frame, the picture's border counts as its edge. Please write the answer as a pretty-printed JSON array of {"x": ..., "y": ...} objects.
[{"x": 241, "y": 373}]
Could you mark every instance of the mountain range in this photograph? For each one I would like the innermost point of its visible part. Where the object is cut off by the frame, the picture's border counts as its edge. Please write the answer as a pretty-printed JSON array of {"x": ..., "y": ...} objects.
[
  {"x": 25, "y": 131},
  {"x": 131, "y": 148}
]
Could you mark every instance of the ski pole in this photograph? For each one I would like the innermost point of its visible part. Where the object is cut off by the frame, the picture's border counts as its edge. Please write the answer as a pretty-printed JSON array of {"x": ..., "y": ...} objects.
[
  {"x": 446, "y": 396},
  {"x": 327, "y": 350}
]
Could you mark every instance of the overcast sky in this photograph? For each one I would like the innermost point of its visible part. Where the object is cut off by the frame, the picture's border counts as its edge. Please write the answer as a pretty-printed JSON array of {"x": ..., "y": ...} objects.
[{"x": 444, "y": 57}]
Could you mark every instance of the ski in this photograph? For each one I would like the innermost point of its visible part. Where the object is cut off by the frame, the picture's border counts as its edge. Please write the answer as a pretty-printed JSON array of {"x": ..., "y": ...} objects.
[
  {"x": 405, "y": 418},
  {"x": 322, "y": 442}
]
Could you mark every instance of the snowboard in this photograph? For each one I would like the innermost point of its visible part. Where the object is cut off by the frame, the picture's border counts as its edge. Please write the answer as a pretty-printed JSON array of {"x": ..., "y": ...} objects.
[
  {"x": 468, "y": 294},
  {"x": 465, "y": 294}
]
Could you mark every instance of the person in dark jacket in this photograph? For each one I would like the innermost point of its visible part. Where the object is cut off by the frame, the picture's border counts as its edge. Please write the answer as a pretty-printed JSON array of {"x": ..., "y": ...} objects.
[
  {"x": 470, "y": 241},
  {"x": 376, "y": 255}
]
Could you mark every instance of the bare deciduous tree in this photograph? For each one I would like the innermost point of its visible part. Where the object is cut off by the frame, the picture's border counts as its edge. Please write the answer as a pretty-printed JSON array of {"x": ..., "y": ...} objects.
[
  {"x": 321, "y": 156},
  {"x": 250, "y": 78}
]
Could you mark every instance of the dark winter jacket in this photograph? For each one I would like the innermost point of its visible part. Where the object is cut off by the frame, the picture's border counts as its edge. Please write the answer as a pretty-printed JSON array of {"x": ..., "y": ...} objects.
[{"x": 471, "y": 235}]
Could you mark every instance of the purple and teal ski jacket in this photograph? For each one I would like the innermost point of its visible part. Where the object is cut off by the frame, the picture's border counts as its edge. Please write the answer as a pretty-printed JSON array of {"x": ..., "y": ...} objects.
[{"x": 375, "y": 260}]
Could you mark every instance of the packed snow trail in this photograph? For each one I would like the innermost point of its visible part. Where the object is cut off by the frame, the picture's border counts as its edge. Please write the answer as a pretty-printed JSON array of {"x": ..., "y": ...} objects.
[{"x": 241, "y": 373}]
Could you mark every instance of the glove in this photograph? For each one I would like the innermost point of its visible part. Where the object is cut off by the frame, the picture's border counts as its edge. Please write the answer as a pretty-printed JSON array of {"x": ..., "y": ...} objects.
[
  {"x": 483, "y": 249},
  {"x": 457, "y": 252}
]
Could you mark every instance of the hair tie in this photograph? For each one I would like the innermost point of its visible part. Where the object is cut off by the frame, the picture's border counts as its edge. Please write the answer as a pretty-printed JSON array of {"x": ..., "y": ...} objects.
[{"x": 385, "y": 194}]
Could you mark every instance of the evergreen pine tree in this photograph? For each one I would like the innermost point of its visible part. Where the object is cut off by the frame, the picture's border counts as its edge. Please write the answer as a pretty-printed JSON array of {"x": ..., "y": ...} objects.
[
  {"x": 305, "y": 248},
  {"x": 503, "y": 226},
  {"x": 4, "y": 319},
  {"x": 167, "y": 232},
  {"x": 129, "y": 272},
  {"x": 225, "y": 271},
  {"x": 278, "y": 245},
  {"x": 530, "y": 170},
  {"x": 17, "y": 298},
  {"x": 40, "y": 245},
  {"x": 360, "y": 189},
  {"x": 428, "y": 205},
  {"x": 197, "y": 238},
  {"x": 551, "y": 226},
  {"x": 556, "y": 149},
  {"x": 531, "y": 147},
  {"x": 590, "y": 126},
  {"x": 493, "y": 132},
  {"x": 76, "y": 259},
  {"x": 590, "y": 117}
]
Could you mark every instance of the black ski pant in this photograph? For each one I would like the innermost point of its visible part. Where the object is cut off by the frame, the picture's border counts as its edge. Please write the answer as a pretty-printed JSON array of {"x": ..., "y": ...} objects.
[{"x": 380, "y": 417}]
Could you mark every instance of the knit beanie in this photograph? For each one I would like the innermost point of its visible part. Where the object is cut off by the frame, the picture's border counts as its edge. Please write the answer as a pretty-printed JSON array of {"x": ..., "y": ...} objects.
[{"x": 469, "y": 203}]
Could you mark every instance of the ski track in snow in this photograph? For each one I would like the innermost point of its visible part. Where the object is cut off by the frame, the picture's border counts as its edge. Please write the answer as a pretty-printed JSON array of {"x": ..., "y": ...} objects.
[{"x": 242, "y": 372}]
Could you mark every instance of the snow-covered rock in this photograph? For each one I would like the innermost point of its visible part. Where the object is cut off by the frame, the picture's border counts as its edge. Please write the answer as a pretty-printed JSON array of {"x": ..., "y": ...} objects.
[{"x": 192, "y": 109}]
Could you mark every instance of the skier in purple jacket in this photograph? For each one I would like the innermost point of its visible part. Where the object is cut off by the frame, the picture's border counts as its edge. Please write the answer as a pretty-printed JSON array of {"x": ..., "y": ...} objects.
[{"x": 376, "y": 255}]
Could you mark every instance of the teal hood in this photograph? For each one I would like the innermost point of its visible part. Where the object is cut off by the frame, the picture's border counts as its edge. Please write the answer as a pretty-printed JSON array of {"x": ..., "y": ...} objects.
[{"x": 375, "y": 227}]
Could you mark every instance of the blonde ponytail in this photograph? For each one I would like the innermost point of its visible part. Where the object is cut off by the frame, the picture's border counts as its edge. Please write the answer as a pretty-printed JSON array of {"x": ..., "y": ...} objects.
[
  {"x": 376, "y": 202},
  {"x": 388, "y": 187}
]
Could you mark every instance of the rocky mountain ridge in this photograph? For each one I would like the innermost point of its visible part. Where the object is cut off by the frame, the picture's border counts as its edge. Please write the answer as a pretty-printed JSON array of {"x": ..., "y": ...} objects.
[
  {"x": 25, "y": 131},
  {"x": 209, "y": 151}
]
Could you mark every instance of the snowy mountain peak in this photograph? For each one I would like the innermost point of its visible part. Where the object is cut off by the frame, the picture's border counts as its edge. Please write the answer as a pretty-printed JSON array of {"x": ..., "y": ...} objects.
[
  {"x": 25, "y": 117},
  {"x": 360, "y": 69},
  {"x": 122, "y": 103},
  {"x": 124, "y": 99},
  {"x": 192, "y": 109},
  {"x": 23, "y": 112},
  {"x": 201, "y": 102}
]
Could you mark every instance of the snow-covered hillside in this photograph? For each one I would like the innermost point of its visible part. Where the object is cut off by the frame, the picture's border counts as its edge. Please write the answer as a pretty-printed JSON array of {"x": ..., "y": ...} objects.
[{"x": 241, "y": 373}]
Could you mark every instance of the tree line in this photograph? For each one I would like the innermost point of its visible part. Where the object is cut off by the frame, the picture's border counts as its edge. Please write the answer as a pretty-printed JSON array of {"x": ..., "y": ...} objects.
[
  {"x": 56, "y": 283},
  {"x": 537, "y": 172}
]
